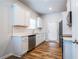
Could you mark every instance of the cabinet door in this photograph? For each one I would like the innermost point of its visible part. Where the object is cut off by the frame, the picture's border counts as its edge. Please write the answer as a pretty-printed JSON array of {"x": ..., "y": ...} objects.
[
  {"x": 42, "y": 37},
  {"x": 38, "y": 39},
  {"x": 39, "y": 22},
  {"x": 16, "y": 42},
  {"x": 19, "y": 15},
  {"x": 32, "y": 24},
  {"x": 28, "y": 16},
  {"x": 20, "y": 45},
  {"x": 24, "y": 44}
]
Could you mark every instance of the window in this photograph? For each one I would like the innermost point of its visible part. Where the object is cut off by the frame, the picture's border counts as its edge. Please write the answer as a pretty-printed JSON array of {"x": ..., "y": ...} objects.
[{"x": 32, "y": 23}]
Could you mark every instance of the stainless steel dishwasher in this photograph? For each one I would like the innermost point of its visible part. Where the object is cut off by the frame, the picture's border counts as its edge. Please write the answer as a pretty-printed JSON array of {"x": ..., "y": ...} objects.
[{"x": 31, "y": 42}]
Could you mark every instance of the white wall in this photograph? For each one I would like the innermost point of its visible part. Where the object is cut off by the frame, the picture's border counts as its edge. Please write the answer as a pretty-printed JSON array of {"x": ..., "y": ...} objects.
[
  {"x": 50, "y": 22},
  {"x": 74, "y": 8},
  {"x": 5, "y": 24},
  {"x": 66, "y": 28}
]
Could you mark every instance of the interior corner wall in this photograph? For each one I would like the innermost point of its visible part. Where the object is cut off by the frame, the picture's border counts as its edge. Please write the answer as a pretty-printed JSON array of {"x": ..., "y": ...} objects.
[{"x": 5, "y": 26}]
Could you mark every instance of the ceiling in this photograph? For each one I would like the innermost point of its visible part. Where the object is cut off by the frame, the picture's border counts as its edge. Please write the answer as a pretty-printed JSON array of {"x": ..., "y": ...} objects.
[{"x": 46, "y": 6}]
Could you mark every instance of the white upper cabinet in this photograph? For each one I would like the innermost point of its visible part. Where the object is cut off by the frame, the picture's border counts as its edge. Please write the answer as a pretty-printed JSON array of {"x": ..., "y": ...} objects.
[
  {"x": 24, "y": 17},
  {"x": 19, "y": 15},
  {"x": 32, "y": 21},
  {"x": 27, "y": 17},
  {"x": 39, "y": 22}
]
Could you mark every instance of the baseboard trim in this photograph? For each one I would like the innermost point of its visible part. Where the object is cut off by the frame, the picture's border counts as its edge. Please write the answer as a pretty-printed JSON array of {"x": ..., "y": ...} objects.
[
  {"x": 3, "y": 57},
  {"x": 6, "y": 56},
  {"x": 17, "y": 55}
]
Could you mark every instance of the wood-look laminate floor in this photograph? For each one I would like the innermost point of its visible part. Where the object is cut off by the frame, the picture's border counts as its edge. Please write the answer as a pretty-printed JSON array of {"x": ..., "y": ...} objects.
[{"x": 47, "y": 50}]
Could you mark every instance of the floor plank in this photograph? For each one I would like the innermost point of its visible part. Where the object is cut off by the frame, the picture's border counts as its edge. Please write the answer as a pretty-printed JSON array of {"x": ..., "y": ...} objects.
[{"x": 47, "y": 50}]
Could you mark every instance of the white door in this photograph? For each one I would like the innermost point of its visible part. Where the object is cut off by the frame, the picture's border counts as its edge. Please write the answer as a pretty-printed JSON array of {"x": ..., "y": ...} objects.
[
  {"x": 52, "y": 31},
  {"x": 75, "y": 51},
  {"x": 74, "y": 8}
]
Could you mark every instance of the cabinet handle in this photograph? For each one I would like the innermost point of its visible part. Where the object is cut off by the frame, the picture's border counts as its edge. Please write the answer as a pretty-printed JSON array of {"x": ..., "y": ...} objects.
[{"x": 75, "y": 42}]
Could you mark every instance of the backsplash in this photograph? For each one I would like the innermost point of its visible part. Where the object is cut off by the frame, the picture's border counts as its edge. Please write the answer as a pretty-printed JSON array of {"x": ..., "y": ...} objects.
[
  {"x": 25, "y": 31},
  {"x": 19, "y": 30}
]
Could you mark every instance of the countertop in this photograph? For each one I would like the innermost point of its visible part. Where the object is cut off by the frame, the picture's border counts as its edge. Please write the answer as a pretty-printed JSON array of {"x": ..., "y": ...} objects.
[
  {"x": 18, "y": 34},
  {"x": 23, "y": 34},
  {"x": 67, "y": 35}
]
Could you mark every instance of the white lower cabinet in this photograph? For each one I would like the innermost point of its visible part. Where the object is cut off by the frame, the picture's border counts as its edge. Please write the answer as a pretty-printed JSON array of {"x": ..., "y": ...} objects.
[
  {"x": 25, "y": 44},
  {"x": 20, "y": 45},
  {"x": 39, "y": 38},
  {"x": 43, "y": 37}
]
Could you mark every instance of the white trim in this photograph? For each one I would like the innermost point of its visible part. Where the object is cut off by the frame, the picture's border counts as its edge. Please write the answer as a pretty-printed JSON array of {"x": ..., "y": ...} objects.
[
  {"x": 17, "y": 55},
  {"x": 67, "y": 38},
  {"x": 3, "y": 57}
]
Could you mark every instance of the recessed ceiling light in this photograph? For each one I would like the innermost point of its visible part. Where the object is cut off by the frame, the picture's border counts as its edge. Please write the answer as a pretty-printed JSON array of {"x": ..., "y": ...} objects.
[{"x": 50, "y": 8}]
